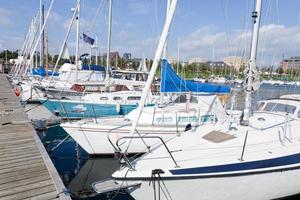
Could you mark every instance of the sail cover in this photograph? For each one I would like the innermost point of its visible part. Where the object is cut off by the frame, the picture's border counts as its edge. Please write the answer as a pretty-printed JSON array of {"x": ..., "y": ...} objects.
[
  {"x": 42, "y": 72},
  {"x": 93, "y": 67},
  {"x": 171, "y": 82}
]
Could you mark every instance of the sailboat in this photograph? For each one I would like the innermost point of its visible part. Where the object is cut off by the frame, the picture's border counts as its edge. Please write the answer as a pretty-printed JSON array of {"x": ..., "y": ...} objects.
[
  {"x": 85, "y": 97},
  {"x": 35, "y": 82},
  {"x": 257, "y": 157},
  {"x": 192, "y": 104}
]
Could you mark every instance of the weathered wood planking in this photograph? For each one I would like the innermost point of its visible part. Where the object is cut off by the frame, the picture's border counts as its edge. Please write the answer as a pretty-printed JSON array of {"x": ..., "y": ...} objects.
[{"x": 26, "y": 171}]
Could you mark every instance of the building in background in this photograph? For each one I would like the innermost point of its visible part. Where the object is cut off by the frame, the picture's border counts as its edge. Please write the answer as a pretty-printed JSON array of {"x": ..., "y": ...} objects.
[
  {"x": 292, "y": 62},
  {"x": 127, "y": 56},
  {"x": 197, "y": 61},
  {"x": 216, "y": 64},
  {"x": 235, "y": 61}
]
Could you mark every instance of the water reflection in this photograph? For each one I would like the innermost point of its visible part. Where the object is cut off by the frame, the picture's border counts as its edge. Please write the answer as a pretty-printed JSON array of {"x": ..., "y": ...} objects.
[
  {"x": 266, "y": 91},
  {"x": 77, "y": 170}
]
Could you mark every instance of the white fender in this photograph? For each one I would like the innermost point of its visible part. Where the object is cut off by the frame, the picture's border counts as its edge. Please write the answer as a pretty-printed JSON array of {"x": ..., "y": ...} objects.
[{"x": 118, "y": 107}]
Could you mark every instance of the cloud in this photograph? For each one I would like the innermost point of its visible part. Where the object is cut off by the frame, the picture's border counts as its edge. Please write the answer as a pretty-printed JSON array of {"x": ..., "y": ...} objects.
[
  {"x": 55, "y": 17},
  {"x": 83, "y": 24},
  {"x": 5, "y": 18},
  {"x": 126, "y": 41},
  {"x": 274, "y": 40},
  {"x": 138, "y": 7},
  {"x": 11, "y": 42}
]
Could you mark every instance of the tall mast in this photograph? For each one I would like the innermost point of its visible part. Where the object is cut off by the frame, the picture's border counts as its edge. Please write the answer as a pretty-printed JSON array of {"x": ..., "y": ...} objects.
[
  {"x": 161, "y": 99},
  {"x": 108, "y": 39},
  {"x": 166, "y": 45},
  {"x": 77, "y": 37},
  {"x": 66, "y": 37},
  {"x": 46, "y": 52},
  {"x": 42, "y": 32},
  {"x": 97, "y": 51},
  {"x": 156, "y": 60},
  {"x": 251, "y": 71},
  {"x": 39, "y": 36}
]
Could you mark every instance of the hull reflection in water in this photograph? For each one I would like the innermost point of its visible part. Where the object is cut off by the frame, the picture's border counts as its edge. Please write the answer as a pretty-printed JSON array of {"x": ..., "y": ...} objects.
[{"x": 77, "y": 170}]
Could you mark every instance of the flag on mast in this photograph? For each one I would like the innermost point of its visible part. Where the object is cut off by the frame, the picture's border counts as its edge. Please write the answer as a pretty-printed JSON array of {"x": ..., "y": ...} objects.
[{"x": 88, "y": 39}]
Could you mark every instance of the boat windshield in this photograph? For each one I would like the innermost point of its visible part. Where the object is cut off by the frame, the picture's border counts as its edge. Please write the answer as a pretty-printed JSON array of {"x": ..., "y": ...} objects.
[
  {"x": 280, "y": 107},
  {"x": 183, "y": 99}
]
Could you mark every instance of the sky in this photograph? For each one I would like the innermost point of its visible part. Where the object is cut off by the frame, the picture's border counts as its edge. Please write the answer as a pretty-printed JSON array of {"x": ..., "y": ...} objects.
[{"x": 210, "y": 29}]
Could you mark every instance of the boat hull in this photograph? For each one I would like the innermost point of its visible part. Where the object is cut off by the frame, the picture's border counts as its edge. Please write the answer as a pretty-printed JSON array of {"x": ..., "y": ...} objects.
[
  {"x": 259, "y": 186},
  {"x": 79, "y": 110},
  {"x": 95, "y": 140}
]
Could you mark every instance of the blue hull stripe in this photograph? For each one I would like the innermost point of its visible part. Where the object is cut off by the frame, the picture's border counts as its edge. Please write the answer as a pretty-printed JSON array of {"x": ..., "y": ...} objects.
[
  {"x": 253, "y": 165},
  {"x": 85, "y": 110}
]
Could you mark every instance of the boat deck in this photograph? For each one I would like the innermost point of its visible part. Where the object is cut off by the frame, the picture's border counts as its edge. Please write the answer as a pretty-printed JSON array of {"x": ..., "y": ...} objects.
[{"x": 26, "y": 170}]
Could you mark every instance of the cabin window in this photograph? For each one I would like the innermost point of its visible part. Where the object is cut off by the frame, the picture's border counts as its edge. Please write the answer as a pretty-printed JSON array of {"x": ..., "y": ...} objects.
[
  {"x": 104, "y": 98},
  {"x": 180, "y": 99},
  {"x": 284, "y": 108},
  {"x": 194, "y": 100},
  {"x": 187, "y": 119},
  {"x": 168, "y": 119},
  {"x": 165, "y": 119},
  {"x": 183, "y": 99},
  {"x": 183, "y": 119},
  {"x": 260, "y": 105},
  {"x": 269, "y": 107},
  {"x": 279, "y": 107},
  {"x": 208, "y": 118},
  {"x": 137, "y": 98},
  {"x": 117, "y": 98},
  {"x": 193, "y": 119}
]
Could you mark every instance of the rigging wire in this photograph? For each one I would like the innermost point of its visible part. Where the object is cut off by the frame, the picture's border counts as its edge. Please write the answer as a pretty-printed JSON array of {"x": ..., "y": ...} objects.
[{"x": 92, "y": 24}]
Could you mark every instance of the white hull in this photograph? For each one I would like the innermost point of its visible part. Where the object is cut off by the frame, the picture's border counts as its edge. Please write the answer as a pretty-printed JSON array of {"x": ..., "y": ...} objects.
[
  {"x": 30, "y": 93},
  {"x": 95, "y": 140},
  {"x": 164, "y": 122},
  {"x": 259, "y": 187}
]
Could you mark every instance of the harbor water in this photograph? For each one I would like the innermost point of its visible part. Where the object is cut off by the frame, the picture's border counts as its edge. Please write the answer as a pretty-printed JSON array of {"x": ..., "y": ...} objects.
[{"x": 78, "y": 170}]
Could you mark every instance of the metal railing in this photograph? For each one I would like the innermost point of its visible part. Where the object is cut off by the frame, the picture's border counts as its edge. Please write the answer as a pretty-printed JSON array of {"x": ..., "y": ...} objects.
[
  {"x": 113, "y": 129},
  {"x": 144, "y": 137}
]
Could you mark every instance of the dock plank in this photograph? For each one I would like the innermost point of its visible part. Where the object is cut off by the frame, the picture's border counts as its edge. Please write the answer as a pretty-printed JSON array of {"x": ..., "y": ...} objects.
[
  {"x": 9, "y": 179},
  {"x": 46, "y": 196},
  {"x": 26, "y": 170},
  {"x": 29, "y": 190}
]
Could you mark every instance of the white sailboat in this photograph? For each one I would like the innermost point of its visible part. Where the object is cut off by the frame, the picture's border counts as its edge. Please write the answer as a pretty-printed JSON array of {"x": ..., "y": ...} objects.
[
  {"x": 99, "y": 136},
  {"x": 72, "y": 80},
  {"x": 257, "y": 157}
]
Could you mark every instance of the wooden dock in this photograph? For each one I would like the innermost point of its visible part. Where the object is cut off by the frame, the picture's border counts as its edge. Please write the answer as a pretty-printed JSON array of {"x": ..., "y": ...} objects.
[{"x": 26, "y": 170}]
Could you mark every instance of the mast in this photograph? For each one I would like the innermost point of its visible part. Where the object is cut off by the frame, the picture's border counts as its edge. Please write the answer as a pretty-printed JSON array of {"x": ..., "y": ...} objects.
[
  {"x": 156, "y": 60},
  {"x": 97, "y": 52},
  {"x": 77, "y": 38},
  {"x": 46, "y": 52},
  {"x": 250, "y": 76},
  {"x": 43, "y": 34},
  {"x": 91, "y": 48},
  {"x": 66, "y": 38},
  {"x": 39, "y": 36},
  {"x": 166, "y": 45},
  {"x": 108, "y": 39},
  {"x": 161, "y": 99}
]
